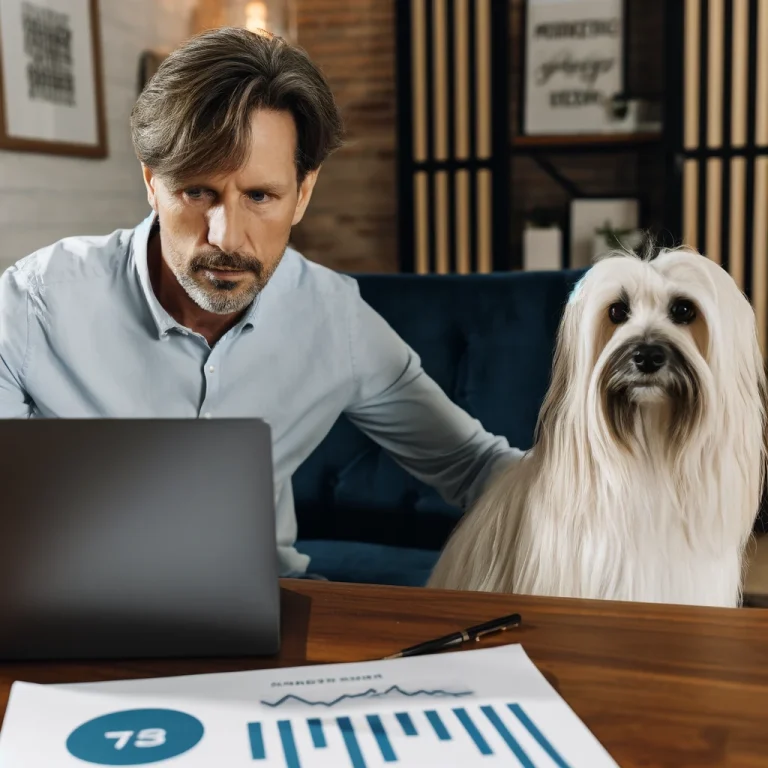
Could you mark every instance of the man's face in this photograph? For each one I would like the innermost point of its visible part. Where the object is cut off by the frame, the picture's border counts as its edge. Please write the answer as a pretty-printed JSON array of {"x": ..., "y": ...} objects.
[{"x": 223, "y": 236}]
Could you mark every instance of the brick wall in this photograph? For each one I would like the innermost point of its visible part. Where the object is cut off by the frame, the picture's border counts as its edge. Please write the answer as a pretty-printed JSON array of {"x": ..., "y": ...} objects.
[
  {"x": 351, "y": 221},
  {"x": 44, "y": 197}
]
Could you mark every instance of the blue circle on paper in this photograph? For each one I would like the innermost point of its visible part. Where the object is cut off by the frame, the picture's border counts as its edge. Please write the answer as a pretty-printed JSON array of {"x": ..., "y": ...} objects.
[{"x": 135, "y": 737}]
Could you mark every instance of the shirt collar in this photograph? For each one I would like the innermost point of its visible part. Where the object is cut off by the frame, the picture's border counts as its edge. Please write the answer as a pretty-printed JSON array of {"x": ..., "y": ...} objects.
[{"x": 164, "y": 322}]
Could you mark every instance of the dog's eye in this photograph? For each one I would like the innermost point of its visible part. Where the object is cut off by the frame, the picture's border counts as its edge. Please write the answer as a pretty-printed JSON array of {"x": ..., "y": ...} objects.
[
  {"x": 682, "y": 311},
  {"x": 618, "y": 312}
]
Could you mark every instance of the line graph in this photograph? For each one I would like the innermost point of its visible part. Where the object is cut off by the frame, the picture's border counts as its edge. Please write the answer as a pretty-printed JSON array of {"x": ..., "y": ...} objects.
[{"x": 371, "y": 693}]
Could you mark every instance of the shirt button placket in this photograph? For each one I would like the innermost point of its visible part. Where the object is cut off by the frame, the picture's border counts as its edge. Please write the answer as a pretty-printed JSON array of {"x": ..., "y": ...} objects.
[{"x": 211, "y": 381}]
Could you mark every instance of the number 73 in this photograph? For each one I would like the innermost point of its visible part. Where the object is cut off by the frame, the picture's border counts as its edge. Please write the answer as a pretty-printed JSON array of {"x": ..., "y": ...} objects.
[{"x": 149, "y": 737}]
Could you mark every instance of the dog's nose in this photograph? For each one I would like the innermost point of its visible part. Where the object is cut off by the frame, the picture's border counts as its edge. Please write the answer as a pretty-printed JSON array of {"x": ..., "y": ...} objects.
[{"x": 649, "y": 358}]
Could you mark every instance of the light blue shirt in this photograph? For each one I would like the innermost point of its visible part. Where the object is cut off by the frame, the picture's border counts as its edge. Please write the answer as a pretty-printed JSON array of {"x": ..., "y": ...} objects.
[{"x": 82, "y": 335}]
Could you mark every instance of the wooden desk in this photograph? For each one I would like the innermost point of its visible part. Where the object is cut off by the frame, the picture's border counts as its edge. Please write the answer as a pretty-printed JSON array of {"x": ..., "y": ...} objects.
[{"x": 657, "y": 685}]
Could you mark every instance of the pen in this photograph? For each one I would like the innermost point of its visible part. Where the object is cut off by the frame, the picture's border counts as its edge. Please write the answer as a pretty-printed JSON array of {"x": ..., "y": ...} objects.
[{"x": 458, "y": 638}]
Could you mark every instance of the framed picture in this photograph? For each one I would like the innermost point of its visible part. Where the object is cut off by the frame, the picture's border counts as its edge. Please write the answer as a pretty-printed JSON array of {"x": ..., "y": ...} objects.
[
  {"x": 51, "y": 88},
  {"x": 573, "y": 66}
]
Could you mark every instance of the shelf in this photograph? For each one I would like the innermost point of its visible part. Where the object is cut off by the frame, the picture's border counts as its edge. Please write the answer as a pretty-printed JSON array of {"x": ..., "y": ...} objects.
[{"x": 584, "y": 142}]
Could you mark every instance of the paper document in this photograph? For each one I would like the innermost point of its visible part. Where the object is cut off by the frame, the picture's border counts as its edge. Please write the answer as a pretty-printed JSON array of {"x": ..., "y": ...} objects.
[{"x": 488, "y": 707}]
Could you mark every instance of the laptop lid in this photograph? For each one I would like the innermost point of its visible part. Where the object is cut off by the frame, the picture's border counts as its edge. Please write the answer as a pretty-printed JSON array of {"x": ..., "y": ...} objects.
[{"x": 126, "y": 538}]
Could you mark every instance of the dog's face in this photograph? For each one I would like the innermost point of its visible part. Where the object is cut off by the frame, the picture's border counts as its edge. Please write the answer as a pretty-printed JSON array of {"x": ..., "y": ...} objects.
[
  {"x": 642, "y": 334},
  {"x": 651, "y": 345}
]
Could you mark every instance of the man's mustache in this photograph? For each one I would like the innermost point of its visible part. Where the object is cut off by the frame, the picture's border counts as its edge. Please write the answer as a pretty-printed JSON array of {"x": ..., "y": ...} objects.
[{"x": 221, "y": 260}]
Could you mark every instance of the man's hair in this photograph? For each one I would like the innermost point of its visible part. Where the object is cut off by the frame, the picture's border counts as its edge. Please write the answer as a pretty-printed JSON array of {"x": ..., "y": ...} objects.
[{"x": 194, "y": 116}]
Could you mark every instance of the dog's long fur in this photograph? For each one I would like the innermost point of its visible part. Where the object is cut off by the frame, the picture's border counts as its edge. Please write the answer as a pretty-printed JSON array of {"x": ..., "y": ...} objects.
[{"x": 632, "y": 493}]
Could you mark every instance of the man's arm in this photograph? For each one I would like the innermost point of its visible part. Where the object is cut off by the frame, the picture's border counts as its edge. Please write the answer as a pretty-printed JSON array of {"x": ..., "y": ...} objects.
[
  {"x": 400, "y": 407},
  {"x": 14, "y": 326}
]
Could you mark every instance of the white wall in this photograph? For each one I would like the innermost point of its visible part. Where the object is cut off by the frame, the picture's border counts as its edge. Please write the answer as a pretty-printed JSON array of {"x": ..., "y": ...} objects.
[{"x": 44, "y": 197}]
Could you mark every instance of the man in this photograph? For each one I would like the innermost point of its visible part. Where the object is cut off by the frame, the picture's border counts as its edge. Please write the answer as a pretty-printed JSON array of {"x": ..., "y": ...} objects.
[{"x": 204, "y": 311}]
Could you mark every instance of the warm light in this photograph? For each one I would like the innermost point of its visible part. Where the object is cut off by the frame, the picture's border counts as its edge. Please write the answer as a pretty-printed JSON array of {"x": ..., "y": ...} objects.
[
  {"x": 256, "y": 16},
  {"x": 268, "y": 17}
]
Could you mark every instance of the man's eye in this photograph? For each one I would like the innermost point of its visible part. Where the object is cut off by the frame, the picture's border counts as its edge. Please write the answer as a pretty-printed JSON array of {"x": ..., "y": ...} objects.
[
  {"x": 194, "y": 193},
  {"x": 257, "y": 197}
]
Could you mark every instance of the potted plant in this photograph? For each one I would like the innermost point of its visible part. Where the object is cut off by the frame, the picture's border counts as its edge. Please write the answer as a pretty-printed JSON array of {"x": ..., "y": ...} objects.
[{"x": 608, "y": 238}]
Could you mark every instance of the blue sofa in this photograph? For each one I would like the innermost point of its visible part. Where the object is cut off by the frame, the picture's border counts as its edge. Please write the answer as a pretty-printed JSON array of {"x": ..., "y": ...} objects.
[{"x": 488, "y": 341}]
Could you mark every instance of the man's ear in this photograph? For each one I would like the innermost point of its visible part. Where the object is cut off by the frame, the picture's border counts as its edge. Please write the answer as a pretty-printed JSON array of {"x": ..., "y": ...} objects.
[
  {"x": 150, "y": 182},
  {"x": 305, "y": 193}
]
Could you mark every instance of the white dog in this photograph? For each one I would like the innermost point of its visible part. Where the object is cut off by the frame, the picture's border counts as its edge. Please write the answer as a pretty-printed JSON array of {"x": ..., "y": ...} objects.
[{"x": 646, "y": 474}]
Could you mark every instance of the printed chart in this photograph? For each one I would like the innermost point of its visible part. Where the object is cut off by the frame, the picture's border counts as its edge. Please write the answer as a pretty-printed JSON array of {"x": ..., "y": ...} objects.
[
  {"x": 458, "y": 735},
  {"x": 482, "y": 707}
]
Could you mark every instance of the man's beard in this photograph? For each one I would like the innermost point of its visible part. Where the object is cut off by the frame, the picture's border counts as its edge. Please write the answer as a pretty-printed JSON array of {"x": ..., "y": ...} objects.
[{"x": 225, "y": 297}]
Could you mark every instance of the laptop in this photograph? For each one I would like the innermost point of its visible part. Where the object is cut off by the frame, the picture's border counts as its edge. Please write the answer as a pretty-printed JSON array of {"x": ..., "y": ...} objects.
[{"x": 130, "y": 538}]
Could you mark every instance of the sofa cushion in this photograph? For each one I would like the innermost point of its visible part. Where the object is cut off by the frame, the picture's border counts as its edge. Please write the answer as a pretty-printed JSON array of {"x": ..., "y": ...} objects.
[{"x": 365, "y": 563}]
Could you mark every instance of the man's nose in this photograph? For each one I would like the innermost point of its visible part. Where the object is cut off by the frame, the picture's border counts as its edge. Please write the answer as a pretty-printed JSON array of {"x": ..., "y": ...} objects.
[{"x": 226, "y": 228}]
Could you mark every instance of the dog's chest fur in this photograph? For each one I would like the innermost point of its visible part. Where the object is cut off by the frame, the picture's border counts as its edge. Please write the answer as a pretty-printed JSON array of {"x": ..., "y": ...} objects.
[{"x": 642, "y": 543}]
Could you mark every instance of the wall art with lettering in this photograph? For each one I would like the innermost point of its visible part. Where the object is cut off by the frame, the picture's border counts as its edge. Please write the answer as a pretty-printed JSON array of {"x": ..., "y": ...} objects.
[
  {"x": 51, "y": 97},
  {"x": 574, "y": 65}
]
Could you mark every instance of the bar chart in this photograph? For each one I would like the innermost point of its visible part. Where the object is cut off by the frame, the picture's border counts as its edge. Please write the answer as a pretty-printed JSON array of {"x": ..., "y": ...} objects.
[{"x": 467, "y": 735}]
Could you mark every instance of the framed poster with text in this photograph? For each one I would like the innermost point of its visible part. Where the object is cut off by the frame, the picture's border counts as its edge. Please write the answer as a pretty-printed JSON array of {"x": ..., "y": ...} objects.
[
  {"x": 574, "y": 65},
  {"x": 51, "y": 92}
]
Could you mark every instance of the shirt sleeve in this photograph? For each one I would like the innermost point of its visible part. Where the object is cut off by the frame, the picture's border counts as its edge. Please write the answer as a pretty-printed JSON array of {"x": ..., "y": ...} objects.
[
  {"x": 405, "y": 411},
  {"x": 14, "y": 326}
]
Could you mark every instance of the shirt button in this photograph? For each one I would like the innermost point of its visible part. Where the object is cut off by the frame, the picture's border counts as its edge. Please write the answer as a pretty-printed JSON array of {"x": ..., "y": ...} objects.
[
  {"x": 207, "y": 415},
  {"x": 211, "y": 368}
]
